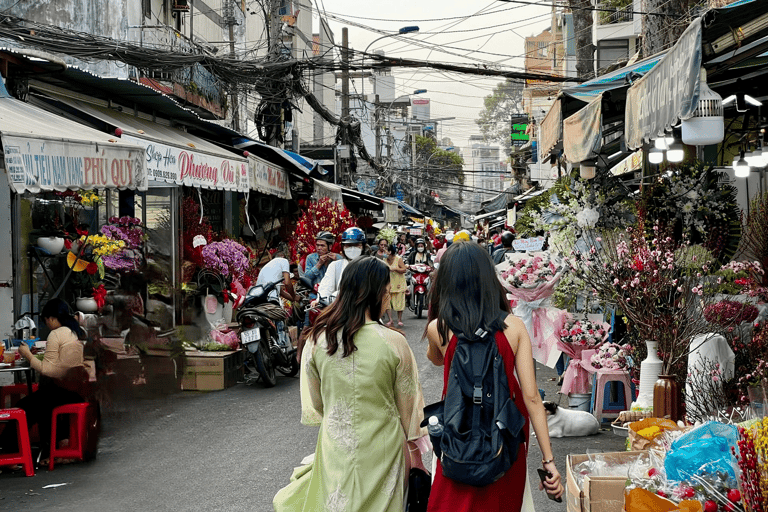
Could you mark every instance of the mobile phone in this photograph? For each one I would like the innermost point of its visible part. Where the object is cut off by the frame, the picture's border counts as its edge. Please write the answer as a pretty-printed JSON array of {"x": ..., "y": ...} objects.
[{"x": 544, "y": 474}]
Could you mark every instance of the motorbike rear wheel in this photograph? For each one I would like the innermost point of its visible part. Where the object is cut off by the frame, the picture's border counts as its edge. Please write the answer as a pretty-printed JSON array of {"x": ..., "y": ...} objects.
[
  {"x": 419, "y": 305},
  {"x": 265, "y": 366}
]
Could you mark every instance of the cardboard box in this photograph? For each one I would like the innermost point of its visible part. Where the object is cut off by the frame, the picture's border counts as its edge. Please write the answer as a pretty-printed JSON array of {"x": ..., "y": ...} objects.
[
  {"x": 209, "y": 371},
  {"x": 599, "y": 493}
]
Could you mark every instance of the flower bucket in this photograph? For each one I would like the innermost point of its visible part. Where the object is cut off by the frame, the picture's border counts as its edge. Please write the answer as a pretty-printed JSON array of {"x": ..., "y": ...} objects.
[{"x": 580, "y": 401}]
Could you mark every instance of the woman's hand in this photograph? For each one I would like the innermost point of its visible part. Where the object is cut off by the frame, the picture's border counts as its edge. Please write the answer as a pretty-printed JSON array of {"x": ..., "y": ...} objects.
[
  {"x": 552, "y": 485},
  {"x": 25, "y": 352}
]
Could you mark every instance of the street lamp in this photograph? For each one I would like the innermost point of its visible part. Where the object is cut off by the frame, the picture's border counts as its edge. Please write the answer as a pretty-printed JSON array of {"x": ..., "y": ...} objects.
[{"x": 404, "y": 30}]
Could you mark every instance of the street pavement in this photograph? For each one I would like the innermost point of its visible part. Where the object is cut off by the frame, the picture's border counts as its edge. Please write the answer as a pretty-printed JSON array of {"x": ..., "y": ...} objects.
[{"x": 229, "y": 450}]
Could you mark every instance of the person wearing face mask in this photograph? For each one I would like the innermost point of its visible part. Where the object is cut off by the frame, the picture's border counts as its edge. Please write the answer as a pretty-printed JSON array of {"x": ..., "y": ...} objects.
[
  {"x": 421, "y": 255},
  {"x": 352, "y": 243}
]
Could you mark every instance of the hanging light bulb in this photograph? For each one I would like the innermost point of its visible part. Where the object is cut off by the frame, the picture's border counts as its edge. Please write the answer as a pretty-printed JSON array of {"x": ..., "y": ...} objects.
[
  {"x": 660, "y": 143},
  {"x": 707, "y": 126},
  {"x": 655, "y": 155},
  {"x": 675, "y": 153},
  {"x": 587, "y": 170},
  {"x": 741, "y": 167},
  {"x": 669, "y": 139},
  {"x": 754, "y": 158}
]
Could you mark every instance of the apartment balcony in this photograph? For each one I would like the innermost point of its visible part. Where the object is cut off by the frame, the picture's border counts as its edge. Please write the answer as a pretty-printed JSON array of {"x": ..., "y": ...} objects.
[{"x": 618, "y": 15}]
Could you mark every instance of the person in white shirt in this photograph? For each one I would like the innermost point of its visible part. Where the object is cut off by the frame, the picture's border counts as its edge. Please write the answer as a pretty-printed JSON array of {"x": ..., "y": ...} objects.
[
  {"x": 279, "y": 269},
  {"x": 352, "y": 241}
]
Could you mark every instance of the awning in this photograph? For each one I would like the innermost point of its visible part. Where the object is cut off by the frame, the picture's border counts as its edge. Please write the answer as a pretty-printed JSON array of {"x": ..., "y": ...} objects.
[
  {"x": 268, "y": 178},
  {"x": 296, "y": 165},
  {"x": 171, "y": 155},
  {"x": 44, "y": 151},
  {"x": 329, "y": 190},
  {"x": 489, "y": 214},
  {"x": 362, "y": 200},
  {"x": 619, "y": 78},
  {"x": 552, "y": 128},
  {"x": 667, "y": 93},
  {"x": 405, "y": 206},
  {"x": 583, "y": 132}
]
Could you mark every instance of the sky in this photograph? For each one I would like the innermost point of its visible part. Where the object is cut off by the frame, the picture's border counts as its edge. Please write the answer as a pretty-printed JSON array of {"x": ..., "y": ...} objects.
[{"x": 474, "y": 32}]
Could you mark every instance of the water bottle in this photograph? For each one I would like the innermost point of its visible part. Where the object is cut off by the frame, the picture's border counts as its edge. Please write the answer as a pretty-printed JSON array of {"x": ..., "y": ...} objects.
[{"x": 435, "y": 430}]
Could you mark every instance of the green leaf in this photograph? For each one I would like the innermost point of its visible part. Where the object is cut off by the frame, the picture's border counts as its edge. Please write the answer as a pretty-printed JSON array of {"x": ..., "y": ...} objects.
[{"x": 100, "y": 264}]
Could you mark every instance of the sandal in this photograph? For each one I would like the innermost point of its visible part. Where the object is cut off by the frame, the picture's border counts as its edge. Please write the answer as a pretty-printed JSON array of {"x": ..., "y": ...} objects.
[
  {"x": 389, "y": 324},
  {"x": 399, "y": 324}
]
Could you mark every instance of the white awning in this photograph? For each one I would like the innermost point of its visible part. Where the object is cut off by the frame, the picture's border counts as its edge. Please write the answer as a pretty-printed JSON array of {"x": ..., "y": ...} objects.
[
  {"x": 171, "y": 155},
  {"x": 44, "y": 151}
]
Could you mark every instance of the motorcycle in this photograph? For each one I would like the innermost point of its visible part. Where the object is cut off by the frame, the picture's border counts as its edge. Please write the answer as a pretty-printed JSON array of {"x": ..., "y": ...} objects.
[
  {"x": 263, "y": 334},
  {"x": 419, "y": 287}
]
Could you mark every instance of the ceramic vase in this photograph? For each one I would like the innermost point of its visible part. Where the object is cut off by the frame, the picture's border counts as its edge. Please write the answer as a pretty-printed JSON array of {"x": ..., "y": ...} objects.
[
  {"x": 53, "y": 245},
  {"x": 87, "y": 304},
  {"x": 666, "y": 398},
  {"x": 650, "y": 369}
]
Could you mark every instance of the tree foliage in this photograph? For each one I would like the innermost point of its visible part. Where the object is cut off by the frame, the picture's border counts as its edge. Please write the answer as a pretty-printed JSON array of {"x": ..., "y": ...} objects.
[{"x": 505, "y": 101}]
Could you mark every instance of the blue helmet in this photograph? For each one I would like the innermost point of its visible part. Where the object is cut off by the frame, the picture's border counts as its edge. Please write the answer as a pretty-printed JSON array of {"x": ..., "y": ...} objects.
[{"x": 353, "y": 236}]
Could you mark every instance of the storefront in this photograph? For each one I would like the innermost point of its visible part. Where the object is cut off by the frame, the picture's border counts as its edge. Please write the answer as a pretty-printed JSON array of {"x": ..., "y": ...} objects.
[{"x": 46, "y": 159}]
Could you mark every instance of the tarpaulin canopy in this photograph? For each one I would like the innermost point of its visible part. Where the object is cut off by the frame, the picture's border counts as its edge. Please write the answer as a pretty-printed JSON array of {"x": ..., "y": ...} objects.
[
  {"x": 406, "y": 207},
  {"x": 329, "y": 190},
  {"x": 667, "y": 93},
  {"x": 583, "y": 132},
  {"x": 552, "y": 128}
]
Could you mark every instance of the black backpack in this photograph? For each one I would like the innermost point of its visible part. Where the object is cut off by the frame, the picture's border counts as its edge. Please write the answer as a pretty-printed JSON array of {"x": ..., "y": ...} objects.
[{"x": 482, "y": 427}]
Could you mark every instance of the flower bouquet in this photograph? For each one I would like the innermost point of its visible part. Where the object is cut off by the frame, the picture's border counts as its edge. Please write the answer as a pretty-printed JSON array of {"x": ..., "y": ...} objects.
[
  {"x": 575, "y": 337},
  {"x": 130, "y": 231},
  {"x": 531, "y": 279},
  {"x": 611, "y": 357}
]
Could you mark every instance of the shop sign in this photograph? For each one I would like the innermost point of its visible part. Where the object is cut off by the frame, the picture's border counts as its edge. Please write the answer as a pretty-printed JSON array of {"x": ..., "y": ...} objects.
[
  {"x": 191, "y": 168},
  {"x": 415, "y": 231},
  {"x": 632, "y": 163},
  {"x": 528, "y": 244},
  {"x": 268, "y": 179},
  {"x": 34, "y": 164},
  {"x": 668, "y": 92}
]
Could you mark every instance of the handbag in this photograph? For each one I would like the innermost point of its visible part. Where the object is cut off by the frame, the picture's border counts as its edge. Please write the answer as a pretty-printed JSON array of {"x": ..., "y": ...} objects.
[{"x": 419, "y": 487}]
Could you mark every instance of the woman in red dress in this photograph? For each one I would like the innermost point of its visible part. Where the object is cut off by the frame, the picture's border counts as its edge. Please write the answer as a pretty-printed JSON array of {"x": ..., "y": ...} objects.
[{"x": 466, "y": 296}]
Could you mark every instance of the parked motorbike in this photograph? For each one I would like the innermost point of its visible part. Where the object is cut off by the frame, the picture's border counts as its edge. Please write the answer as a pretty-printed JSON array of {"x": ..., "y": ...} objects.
[
  {"x": 263, "y": 334},
  {"x": 419, "y": 287}
]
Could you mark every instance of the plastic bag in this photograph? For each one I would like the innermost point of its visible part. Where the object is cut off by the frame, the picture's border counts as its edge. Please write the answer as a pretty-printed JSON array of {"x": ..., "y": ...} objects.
[
  {"x": 706, "y": 449},
  {"x": 642, "y": 433}
]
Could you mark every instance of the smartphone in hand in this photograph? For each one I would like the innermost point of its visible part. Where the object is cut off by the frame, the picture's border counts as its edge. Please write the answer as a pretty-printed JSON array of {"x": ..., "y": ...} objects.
[{"x": 544, "y": 474}]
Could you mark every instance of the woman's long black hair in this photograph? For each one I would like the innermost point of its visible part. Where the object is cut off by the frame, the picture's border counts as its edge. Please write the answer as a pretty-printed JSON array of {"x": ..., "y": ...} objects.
[
  {"x": 362, "y": 288},
  {"x": 58, "y": 309},
  {"x": 467, "y": 294}
]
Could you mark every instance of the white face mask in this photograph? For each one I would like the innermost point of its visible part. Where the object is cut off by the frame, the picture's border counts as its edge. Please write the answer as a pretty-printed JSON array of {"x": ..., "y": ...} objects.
[
  {"x": 420, "y": 249},
  {"x": 353, "y": 252}
]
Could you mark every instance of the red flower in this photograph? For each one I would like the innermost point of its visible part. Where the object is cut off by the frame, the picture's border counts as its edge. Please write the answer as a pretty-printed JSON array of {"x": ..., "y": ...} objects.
[
  {"x": 100, "y": 295},
  {"x": 67, "y": 244},
  {"x": 92, "y": 268},
  {"x": 82, "y": 232}
]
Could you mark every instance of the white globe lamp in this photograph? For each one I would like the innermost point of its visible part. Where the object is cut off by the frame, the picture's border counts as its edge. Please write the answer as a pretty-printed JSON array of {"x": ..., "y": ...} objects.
[{"x": 707, "y": 125}]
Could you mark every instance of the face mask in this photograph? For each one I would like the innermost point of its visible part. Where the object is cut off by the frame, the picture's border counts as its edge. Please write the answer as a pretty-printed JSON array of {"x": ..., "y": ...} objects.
[
  {"x": 353, "y": 252},
  {"x": 420, "y": 249}
]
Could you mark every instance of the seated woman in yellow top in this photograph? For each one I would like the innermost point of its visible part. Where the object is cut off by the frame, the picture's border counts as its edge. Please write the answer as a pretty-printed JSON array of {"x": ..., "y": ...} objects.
[{"x": 63, "y": 362}]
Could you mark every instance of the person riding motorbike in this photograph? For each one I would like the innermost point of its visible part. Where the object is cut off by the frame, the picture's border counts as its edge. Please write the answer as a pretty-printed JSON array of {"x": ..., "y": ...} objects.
[
  {"x": 318, "y": 262},
  {"x": 506, "y": 247},
  {"x": 353, "y": 243},
  {"x": 278, "y": 269},
  {"x": 421, "y": 255}
]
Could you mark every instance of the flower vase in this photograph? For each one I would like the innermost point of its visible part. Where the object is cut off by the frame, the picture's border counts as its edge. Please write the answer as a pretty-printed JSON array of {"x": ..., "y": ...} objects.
[
  {"x": 87, "y": 304},
  {"x": 757, "y": 401},
  {"x": 650, "y": 369},
  {"x": 666, "y": 398}
]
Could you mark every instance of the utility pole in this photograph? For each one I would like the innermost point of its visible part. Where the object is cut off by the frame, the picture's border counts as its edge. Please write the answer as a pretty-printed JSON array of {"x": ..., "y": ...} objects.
[
  {"x": 345, "y": 99},
  {"x": 229, "y": 14},
  {"x": 273, "y": 33},
  {"x": 413, "y": 168},
  {"x": 377, "y": 121}
]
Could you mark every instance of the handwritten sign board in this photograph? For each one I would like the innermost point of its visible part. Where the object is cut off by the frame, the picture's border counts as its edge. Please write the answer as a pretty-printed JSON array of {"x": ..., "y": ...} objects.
[
  {"x": 415, "y": 231},
  {"x": 192, "y": 168},
  {"x": 528, "y": 244}
]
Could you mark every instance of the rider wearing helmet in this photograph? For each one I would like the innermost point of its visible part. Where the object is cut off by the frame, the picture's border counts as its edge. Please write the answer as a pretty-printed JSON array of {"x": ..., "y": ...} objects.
[
  {"x": 420, "y": 255},
  {"x": 353, "y": 244},
  {"x": 317, "y": 263},
  {"x": 506, "y": 246}
]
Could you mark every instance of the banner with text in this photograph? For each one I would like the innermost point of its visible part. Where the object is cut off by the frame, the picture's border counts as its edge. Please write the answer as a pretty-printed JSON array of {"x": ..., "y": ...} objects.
[
  {"x": 269, "y": 179},
  {"x": 35, "y": 164},
  {"x": 668, "y": 92},
  {"x": 181, "y": 166}
]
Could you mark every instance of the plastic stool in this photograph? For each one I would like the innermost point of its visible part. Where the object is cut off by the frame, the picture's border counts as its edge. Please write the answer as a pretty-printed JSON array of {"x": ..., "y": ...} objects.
[
  {"x": 10, "y": 395},
  {"x": 24, "y": 456},
  {"x": 601, "y": 379},
  {"x": 83, "y": 432}
]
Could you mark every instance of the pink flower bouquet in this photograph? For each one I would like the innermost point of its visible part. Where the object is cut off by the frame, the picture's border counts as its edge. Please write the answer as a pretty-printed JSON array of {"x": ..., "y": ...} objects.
[
  {"x": 531, "y": 280},
  {"x": 575, "y": 337},
  {"x": 610, "y": 356}
]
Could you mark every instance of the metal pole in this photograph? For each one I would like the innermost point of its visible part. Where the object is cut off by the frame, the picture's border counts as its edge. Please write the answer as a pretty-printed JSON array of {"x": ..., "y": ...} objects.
[{"x": 344, "y": 93}]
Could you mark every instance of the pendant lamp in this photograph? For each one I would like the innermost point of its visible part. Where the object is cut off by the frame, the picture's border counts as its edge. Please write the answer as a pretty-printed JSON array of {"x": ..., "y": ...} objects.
[{"x": 707, "y": 126}]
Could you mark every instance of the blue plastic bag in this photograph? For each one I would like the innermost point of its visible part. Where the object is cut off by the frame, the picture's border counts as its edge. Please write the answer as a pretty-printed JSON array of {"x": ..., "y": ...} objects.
[{"x": 706, "y": 449}]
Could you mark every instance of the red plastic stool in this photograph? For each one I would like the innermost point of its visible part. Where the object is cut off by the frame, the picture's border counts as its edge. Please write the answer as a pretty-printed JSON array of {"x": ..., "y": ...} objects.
[
  {"x": 83, "y": 432},
  {"x": 24, "y": 457},
  {"x": 9, "y": 395}
]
